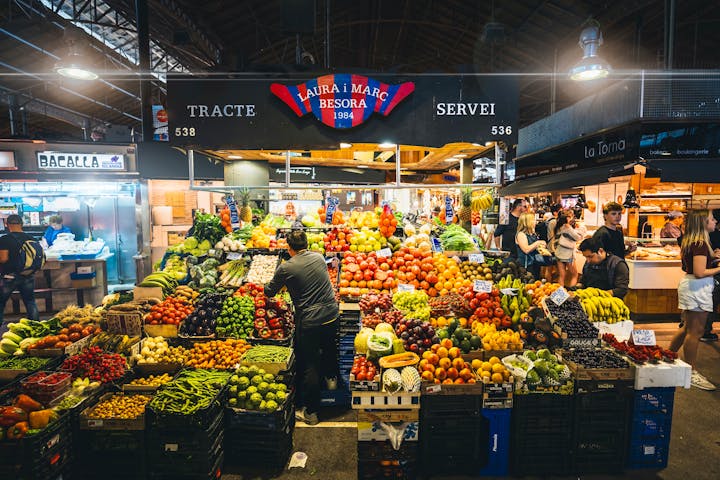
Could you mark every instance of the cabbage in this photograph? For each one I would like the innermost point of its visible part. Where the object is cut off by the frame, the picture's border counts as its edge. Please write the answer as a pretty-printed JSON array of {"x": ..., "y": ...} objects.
[
  {"x": 190, "y": 243},
  {"x": 361, "y": 340},
  {"x": 385, "y": 327},
  {"x": 380, "y": 344}
]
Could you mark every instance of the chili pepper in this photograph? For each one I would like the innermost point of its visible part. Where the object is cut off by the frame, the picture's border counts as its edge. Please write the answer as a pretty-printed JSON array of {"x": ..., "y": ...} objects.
[
  {"x": 17, "y": 431},
  {"x": 27, "y": 403}
]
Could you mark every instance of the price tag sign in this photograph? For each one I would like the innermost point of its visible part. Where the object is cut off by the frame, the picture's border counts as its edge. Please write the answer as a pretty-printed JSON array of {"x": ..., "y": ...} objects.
[
  {"x": 482, "y": 286},
  {"x": 404, "y": 287},
  {"x": 211, "y": 252},
  {"x": 644, "y": 337},
  {"x": 476, "y": 258},
  {"x": 384, "y": 252},
  {"x": 559, "y": 296},
  {"x": 436, "y": 245},
  {"x": 332, "y": 203},
  {"x": 233, "y": 255},
  {"x": 435, "y": 388},
  {"x": 509, "y": 291}
]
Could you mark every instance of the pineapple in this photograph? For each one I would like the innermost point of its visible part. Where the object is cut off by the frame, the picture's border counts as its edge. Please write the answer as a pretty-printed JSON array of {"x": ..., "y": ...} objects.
[
  {"x": 465, "y": 213},
  {"x": 245, "y": 210}
]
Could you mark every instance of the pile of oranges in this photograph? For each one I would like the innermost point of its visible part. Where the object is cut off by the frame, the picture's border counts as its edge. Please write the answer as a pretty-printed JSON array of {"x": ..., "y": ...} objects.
[
  {"x": 538, "y": 290},
  {"x": 491, "y": 371},
  {"x": 387, "y": 223},
  {"x": 444, "y": 364},
  {"x": 448, "y": 279}
]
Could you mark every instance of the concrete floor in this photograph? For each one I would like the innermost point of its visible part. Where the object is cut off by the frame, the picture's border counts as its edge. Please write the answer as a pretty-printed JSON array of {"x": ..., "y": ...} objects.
[{"x": 694, "y": 448}]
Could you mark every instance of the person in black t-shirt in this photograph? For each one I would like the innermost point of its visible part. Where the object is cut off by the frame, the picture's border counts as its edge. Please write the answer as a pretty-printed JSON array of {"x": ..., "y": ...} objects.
[
  {"x": 10, "y": 280},
  {"x": 610, "y": 234},
  {"x": 505, "y": 234}
]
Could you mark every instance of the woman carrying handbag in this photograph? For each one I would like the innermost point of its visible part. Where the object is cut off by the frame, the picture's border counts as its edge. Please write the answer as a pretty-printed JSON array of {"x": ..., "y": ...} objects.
[
  {"x": 528, "y": 245},
  {"x": 566, "y": 239}
]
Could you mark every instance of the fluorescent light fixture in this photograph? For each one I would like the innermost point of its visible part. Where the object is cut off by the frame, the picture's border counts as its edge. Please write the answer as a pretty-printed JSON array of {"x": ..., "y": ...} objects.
[
  {"x": 460, "y": 155},
  {"x": 478, "y": 145},
  {"x": 387, "y": 145},
  {"x": 363, "y": 166},
  {"x": 235, "y": 157},
  {"x": 345, "y": 145},
  {"x": 452, "y": 159},
  {"x": 591, "y": 66},
  {"x": 489, "y": 144},
  {"x": 75, "y": 66}
]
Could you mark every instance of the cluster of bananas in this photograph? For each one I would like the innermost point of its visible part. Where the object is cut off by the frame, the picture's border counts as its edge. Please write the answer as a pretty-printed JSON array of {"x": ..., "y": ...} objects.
[
  {"x": 601, "y": 306},
  {"x": 481, "y": 202},
  {"x": 183, "y": 291}
]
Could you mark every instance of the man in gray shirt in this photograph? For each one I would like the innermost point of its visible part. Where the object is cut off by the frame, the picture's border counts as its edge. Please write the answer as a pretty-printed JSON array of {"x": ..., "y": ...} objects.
[{"x": 306, "y": 277}]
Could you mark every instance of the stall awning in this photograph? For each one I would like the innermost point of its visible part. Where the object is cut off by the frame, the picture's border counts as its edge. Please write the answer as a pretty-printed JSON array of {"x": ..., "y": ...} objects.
[
  {"x": 559, "y": 181},
  {"x": 683, "y": 170}
]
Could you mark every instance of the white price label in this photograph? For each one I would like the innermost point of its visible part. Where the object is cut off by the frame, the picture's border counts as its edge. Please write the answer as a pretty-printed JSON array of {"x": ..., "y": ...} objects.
[
  {"x": 559, "y": 296},
  {"x": 435, "y": 388},
  {"x": 211, "y": 252},
  {"x": 384, "y": 252},
  {"x": 482, "y": 286},
  {"x": 644, "y": 337},
  {"x": 233, "y": 255},
  {"x": 476, "y": 258},
  {"x": 509, "y": 291},
  {"x": 404, "y": 287},
  {"x": 171, "y": 447}
]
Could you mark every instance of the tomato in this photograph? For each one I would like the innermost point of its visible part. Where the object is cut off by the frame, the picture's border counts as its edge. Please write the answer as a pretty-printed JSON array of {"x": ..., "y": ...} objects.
[
  {"x": 360, "y": 376},
  {"x": 499, "y": 312}
]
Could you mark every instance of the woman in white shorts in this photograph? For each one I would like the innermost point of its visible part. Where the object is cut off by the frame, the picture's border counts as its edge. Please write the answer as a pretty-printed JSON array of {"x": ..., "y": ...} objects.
[{"x": 695, "y": 289}]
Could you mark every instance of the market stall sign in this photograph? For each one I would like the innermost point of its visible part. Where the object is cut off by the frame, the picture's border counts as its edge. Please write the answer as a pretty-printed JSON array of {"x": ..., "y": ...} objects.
[
  {"x": 342, "y": 100},
  {"x": 431, "y": 110},
  {"x": 48, "y": 160}
]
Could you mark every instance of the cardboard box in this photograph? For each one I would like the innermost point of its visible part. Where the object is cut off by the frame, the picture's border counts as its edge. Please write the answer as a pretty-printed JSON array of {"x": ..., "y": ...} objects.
[
  {"x": 84, "y": 283},
  {"x": 369, "y": 424}
]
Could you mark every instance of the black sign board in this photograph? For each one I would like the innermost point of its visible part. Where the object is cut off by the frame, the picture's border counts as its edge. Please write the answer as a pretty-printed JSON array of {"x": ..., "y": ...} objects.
[
  {"x": 245, "y": 113},
  {"x": 614, "y": 146},
  {"x": 300, "y": 174},
  {"x": 682, "y": 140}
]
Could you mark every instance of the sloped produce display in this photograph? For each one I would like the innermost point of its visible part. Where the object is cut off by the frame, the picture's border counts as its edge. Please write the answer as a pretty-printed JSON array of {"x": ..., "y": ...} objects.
[{"x": 194, "y": 371}]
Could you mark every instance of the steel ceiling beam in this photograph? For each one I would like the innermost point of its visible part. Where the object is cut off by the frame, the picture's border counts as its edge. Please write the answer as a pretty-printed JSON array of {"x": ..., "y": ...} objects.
[{"x": 45, "y": 108}]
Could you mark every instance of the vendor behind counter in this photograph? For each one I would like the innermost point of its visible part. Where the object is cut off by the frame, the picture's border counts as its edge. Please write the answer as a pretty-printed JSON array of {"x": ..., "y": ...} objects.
[
  {"x": 604, "y": 270},
  {"x": 56, "y": 228}
]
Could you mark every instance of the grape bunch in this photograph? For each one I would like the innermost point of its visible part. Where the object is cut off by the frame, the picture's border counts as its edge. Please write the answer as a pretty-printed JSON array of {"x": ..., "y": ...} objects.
[
  {"x": 392, "y": 317},
  {"x": 369, "y": 303}
]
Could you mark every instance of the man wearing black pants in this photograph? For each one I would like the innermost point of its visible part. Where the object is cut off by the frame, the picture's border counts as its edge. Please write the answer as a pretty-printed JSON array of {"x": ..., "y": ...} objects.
[{"x": 306, "y": 277}]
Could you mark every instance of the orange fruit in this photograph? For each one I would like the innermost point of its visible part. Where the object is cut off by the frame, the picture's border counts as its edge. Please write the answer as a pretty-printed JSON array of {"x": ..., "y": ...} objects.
[
  {"x": 454, "y": 352},
  {"x": 476, "y": 363},
  {"x": 496, "y": 378},
  {"x": 452, "y": 373},
  {"x": 458, "y": 363},
  {"x": 447, "y": 381},
  {"x": 427, "y": 376},
  {"x": 433, "y": 359},
  {"x": 466, "y": 374},
  {"x": 498, "y": 368},
  {"x": 445, "y": 363},
  {"x": 487, "y": 366},
  {"x": 442, "y": 352},
  {"x": 440, "y": 373},
  {"x": 494, "y": 360},
  {"x": 446, "y": 342}
]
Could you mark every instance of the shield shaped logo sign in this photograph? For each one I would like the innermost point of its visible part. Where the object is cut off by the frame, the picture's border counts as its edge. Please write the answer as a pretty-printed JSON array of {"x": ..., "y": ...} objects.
[{"x": 342, "y": 100}]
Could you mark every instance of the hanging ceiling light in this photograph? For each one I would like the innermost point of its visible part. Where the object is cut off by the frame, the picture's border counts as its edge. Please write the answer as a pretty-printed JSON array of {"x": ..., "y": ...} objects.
[
  {"x": 75, "y": 65},
  {"x": 591, "y": 66}
]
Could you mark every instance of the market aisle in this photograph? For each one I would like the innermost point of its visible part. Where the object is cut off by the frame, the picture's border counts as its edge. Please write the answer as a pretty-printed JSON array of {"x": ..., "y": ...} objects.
[{"x": 694, "y": 448}]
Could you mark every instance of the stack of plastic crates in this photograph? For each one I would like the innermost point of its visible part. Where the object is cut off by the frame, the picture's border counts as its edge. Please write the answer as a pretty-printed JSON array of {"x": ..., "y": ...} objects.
[
  {"x": 650, "y": 428},
  {"x": 349, "y": 325}
]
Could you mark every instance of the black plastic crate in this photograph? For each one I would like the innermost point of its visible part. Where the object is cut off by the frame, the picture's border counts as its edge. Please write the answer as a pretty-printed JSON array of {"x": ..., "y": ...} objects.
[
  {"x": 212, "y": 473},
  {"x": 444, "y": 405},
  {"x": 176, "y": 459},
  {"x": 176, "y": 442},
  {"x": 604, "y": 400},
  {"x": 536, "y": 462},
  {"x": 256, "y": 420},
  {"x": 408, "y": 451},
  {"x": 111, "y": 454},
  {"x": 202, "y": 419},
  {"x": 589, "y": 386},
  {"x": 38, "y": 456},
  {"x": 464, "y": 444},
  {"x": 376, "y": 469},
  {"x": 256, "y": 447},
  {"x": 600, "y": 452},
  {"x": 654, "y": 400}
]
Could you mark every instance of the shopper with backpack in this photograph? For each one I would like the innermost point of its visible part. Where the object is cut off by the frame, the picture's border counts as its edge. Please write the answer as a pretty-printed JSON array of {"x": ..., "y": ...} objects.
[{"x": 20, "y": 257}]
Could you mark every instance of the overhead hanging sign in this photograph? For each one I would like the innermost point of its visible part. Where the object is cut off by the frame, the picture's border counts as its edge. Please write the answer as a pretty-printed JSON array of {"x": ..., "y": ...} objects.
[
  {"x": 342, "y": 100},
  {"x": 49, "y": 160},
  {"x": 275, "y": 112}
]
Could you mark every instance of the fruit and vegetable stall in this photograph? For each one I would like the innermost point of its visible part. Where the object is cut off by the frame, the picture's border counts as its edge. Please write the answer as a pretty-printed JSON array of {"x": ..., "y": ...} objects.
[{"x": 439, "y": 342}]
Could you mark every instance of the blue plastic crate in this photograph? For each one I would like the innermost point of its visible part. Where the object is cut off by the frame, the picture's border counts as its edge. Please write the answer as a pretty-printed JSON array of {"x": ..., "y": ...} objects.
[
  {"x": 652, "y": 454},
  {"x": 650, "y": 425},
  {"x": 499, "y": 445},
  {"x": 655, "y": 400}
]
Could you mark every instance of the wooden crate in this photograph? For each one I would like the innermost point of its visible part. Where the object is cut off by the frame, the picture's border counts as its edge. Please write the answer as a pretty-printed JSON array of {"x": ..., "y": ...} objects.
[
  {"x": 385, "y": 401},
  {"x": 167, "y": 331},
  {"x": 126, "y": 323},
  {"x": 275, "y": 367},
  {"x": 498, "y": 395},
  {"x": 581, "y": 373},
  {"x": 87, "y": 423}
]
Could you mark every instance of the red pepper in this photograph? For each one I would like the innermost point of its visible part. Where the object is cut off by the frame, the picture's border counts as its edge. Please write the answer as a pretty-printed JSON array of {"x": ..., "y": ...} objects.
[
  {"x": 260, "y": 323},
  {"x": 264, "y": 333},
  {"x": 9, "y": 416},
  {"x": 259, "y": 303},
  {"x": 260, "y": 313}
]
